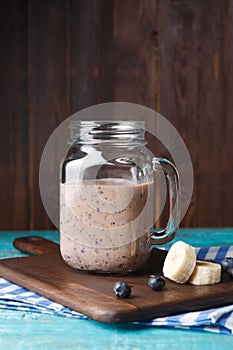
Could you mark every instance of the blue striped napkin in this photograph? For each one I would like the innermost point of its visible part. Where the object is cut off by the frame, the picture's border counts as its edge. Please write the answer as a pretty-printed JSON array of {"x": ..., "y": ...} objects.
[{"x": 218, "y": 320}]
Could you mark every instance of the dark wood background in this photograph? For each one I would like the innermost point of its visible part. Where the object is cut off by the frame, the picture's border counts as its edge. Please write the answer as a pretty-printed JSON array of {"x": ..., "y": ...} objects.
[{"x": 59, "y": 56}]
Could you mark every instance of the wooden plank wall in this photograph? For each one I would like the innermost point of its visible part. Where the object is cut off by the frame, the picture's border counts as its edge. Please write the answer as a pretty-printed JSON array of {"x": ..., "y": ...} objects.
[{"x": 59, "y": 56}]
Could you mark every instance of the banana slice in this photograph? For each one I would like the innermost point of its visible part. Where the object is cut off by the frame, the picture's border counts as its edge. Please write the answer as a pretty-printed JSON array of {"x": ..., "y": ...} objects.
[
  {"x": 205, "y": 273},
  {"x": 180, "y": 262}
]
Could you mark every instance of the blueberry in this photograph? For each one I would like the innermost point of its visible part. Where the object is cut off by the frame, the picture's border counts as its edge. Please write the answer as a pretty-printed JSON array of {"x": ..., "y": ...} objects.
[
  {"x": 230, "y": 272},
  {"x": 122, "y": 289},
  {"x": 156, "y": 283},
  {"x": 227, "y": 263}
]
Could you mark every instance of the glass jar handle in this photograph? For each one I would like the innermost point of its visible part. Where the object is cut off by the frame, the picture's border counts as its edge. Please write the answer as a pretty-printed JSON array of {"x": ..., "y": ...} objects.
[{"x": 166, "y": 234}]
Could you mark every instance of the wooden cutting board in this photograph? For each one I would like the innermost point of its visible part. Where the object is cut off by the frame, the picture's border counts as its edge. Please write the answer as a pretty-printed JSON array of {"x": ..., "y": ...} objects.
[{"x": 47, "y": 274}]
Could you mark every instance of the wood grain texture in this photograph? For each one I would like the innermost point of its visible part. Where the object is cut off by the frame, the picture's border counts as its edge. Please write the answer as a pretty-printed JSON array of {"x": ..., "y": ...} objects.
[
  {"x": 32, "y": 330},
  {"x": 91, "y": 53},
  {"x": 61, "y": 56},
  {"x": 42, "y": 331},
  {"x": 14, "y": 146},
  {"x": 195, "y": 90},
  {"x": 135, "y": 52},
  {"x": 48, "y": 84},
  {"x": 47, "y": 274}
]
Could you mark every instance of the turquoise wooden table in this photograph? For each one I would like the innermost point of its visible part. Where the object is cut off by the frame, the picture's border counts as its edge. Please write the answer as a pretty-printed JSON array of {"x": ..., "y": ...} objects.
[{"x": 26, "y": 330}]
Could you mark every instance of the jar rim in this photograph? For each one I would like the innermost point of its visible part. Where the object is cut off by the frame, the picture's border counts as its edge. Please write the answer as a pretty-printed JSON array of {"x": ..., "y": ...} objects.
[{"x": 90, "y": 131}]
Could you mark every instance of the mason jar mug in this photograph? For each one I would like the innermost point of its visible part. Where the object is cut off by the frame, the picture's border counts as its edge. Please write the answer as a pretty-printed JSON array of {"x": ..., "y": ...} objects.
[{"x": 108, "y": 197}]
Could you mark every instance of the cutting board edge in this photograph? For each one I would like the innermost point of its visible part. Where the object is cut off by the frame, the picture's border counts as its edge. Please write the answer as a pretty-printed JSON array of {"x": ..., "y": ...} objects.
[
  {"x": 97, "y": 313},
  {"x": 110, "y": 316},
  {"x": 95, "y": 306}
]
